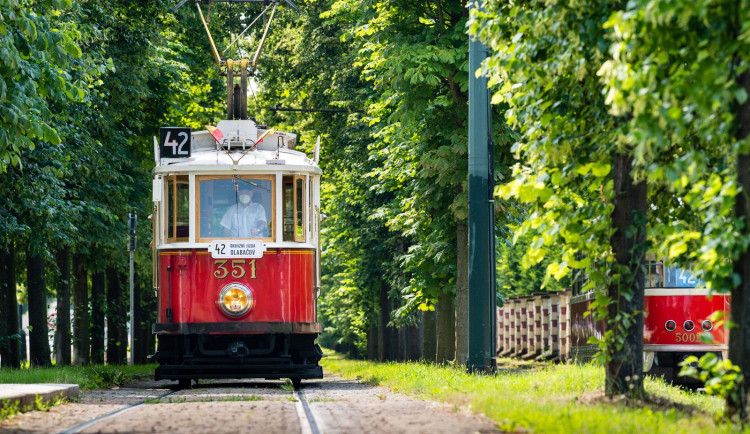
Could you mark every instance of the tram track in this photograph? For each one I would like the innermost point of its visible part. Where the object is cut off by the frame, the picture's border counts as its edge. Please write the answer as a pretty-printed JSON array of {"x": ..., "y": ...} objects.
[
  {"x": 252, "y": 406},
  {"x": 308, "y": 423},
  {"x": 307, "y": 420},
  {"x": 83, "y": 425}
]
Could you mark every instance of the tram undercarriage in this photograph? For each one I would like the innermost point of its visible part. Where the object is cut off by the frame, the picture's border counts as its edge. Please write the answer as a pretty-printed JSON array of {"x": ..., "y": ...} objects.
[{"x": 270, "y": 356}]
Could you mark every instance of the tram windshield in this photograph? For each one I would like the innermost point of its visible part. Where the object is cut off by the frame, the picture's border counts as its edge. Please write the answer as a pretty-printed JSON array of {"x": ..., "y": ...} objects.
[
  {"x": 235, "y": 207},
  {"x": 669, "y": 276}
]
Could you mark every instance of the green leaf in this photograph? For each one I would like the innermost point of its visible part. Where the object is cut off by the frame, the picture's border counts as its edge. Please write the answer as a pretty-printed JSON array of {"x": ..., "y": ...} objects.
[
  {"x": 50, "y": 135},
  {"x": 740, "y": 95},
  {"x": 600, "y": 169}
]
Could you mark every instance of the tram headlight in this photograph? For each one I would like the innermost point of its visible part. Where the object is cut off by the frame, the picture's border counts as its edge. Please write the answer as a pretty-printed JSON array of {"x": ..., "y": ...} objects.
[
  {"x": 670, "y": 325},
  {"x": 236, "y": 299},
  {"x": 706, "y": 325},
  {"x": 688, "y": 326}
]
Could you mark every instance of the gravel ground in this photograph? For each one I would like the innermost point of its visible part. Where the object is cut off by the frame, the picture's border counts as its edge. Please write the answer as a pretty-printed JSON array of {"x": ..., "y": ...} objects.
[
  {"x": 92, "y": 404},
  {"x": 251, "y": 406},
  {"x": 347, "y": 406}
]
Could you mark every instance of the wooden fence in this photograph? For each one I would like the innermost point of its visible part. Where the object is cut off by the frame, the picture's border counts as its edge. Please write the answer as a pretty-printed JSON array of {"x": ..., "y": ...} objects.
[{"x": 535, "y": 327}]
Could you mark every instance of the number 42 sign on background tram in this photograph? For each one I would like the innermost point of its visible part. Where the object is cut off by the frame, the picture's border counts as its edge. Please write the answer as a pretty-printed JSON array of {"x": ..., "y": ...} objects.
[{"x": 174, "y": 142}]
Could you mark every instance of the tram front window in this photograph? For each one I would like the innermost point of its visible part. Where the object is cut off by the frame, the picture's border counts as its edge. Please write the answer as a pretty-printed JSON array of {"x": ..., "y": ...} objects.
[{"x": 235, "y": 207}]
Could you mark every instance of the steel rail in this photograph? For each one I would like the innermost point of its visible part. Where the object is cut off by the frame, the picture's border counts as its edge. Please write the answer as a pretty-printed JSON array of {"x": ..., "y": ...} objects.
[
  {"x": 306, "y": 418},
  {"x": 83, "y": 425}
]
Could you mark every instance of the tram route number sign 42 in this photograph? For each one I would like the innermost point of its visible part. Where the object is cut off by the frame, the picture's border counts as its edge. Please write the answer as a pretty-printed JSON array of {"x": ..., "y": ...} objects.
[
  {"x": 174, "y": 142},
  {"x": 227, "y": 249}
]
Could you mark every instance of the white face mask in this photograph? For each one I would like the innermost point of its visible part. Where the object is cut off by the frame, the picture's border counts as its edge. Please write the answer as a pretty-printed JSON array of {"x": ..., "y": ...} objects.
[{"x": 245, "y": 198}]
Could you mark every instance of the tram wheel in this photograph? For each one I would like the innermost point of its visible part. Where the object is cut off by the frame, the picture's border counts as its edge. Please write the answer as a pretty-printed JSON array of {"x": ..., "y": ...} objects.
[
  {"x": 296, "y": 382},
  {"x": 185, "y": 383}
]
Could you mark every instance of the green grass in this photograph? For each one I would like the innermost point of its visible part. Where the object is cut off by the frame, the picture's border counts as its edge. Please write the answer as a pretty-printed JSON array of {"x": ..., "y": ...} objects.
[
  {"x": 543, "y": 397},
  {"x": 12, "y": 408},
  {"x": 87, "y": 377}
]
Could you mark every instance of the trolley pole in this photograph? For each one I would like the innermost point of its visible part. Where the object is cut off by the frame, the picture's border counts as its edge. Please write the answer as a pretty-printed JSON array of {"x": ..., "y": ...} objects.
[
  {"x": 132, "y": 225},
  {"x": 481, "y": 357}
]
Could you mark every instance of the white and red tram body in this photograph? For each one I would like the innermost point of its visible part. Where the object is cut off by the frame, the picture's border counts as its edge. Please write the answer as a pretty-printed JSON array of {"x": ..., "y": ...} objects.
[
  {"x": 677, "y": 321},
  {"x": 237, "y": 258}
]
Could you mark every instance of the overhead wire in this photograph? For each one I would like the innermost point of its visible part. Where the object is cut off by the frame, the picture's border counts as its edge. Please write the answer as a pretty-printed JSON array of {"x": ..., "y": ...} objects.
[{"x": 247, "y": 28}]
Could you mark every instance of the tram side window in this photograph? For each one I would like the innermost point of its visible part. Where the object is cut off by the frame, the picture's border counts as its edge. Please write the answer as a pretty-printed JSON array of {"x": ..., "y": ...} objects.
[
  {"x": 293, "y": 193},
  {"x": 235, "y": 207},
  {"x": 178, "y": 208},
  {"x": 299, "y": 228},
  {"x": 655, "y": 275}
]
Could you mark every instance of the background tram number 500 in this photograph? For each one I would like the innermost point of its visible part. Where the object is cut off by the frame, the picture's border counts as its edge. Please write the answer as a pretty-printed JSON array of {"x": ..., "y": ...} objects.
[{"x": 238, "y": 268}]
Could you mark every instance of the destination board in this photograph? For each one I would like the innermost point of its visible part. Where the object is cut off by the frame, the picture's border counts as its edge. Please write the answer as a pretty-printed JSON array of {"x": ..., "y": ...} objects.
[{"x": 224, "y": 249}]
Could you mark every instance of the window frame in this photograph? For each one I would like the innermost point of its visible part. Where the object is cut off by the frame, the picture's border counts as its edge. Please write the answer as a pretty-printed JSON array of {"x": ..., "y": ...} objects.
[
  {"x": 301, "y": 238},
  {"x": 199, "y": 178},
  {"x": 296, "y": 194},
  {"x": 309, "y": 208},
  {"x": 173, "y": 180}
]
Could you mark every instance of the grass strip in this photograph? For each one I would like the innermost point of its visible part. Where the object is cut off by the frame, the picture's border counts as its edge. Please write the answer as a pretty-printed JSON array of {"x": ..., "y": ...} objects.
[
  {"x": 86, "y": 377},
  {"x": 10, "y": 409},
  {"x": 543, "y": 397}
]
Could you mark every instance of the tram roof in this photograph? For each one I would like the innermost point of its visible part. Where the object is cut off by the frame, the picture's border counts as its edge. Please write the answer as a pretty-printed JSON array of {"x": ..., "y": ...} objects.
[{"x": 275, "y": 153}]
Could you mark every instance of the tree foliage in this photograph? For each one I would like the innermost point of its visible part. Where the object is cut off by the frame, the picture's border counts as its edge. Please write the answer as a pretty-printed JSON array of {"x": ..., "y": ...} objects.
[
  {"x": 652, "y": 80},
  {"x": 36, "y": 48}
]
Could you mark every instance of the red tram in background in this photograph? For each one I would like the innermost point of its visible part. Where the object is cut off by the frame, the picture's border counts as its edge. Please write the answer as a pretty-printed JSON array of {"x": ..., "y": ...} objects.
[
  {"x": 236, "y": 254},
  {"x": 677, "y": 321}
]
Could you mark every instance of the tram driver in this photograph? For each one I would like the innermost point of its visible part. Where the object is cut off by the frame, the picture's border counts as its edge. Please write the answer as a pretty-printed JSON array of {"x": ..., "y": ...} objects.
[{"x": 246, "y": 218}]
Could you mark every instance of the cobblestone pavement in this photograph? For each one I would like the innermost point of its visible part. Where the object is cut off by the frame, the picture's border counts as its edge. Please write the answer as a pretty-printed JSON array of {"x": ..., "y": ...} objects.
[{"x": 233, "y": 406}]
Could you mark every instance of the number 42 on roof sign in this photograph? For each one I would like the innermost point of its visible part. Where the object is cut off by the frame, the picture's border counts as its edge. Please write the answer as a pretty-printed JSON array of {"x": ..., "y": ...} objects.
[{"x": 174, "y": 142}]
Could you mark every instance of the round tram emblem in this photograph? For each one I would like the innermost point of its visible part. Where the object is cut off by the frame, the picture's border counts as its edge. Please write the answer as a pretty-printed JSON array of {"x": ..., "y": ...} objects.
[{"x": 236, "y": 300}]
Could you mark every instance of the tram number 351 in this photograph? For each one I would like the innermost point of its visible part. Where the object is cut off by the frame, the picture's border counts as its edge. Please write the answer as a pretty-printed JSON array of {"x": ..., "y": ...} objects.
[{"x": 239, "y": 268}]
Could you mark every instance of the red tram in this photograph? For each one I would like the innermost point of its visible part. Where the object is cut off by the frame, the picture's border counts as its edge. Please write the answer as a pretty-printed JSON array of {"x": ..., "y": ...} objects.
[
  {"x": 236, "y": 254},
  {"x": 677, "y": 321}
]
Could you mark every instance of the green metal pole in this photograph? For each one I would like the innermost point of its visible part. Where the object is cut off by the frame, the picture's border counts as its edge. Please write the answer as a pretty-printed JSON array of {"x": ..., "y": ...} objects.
[{"x": 481, "y": 232}]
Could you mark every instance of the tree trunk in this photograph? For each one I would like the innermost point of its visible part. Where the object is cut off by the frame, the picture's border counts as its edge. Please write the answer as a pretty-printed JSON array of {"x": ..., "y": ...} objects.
[
  {"x": 402, "y": 343},
  {"x": 383, "y": 317},
  {"x": 413, "y": 343},
  {"x": 10, "y": 349},
  {"x": 62, "y": 333},
  {"x": 117, "y": 333},
  {"x": 81, "y": 340},
  {"x": 97, "y": 317},
  {"x": 39, "y": 352},
  {"x": 387, "y": 336},
  {"x": 739, "y": 336},
  {"x": 429, "y": 335},
  {"x": 462, "y": 293},
  {"x": 145, "y": 309},
  {"x": 372, "y": 340},
  {"x": 142, "y": 322},
  {"x": 446, "y": 334},
  {"x": 624, "y": 372}
]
